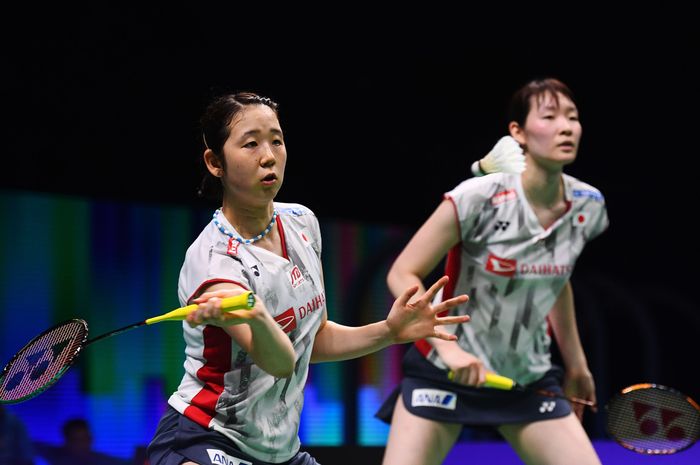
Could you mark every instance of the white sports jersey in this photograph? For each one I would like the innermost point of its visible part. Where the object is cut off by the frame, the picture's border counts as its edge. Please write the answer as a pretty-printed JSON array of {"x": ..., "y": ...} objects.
[
  {"x": 222, "y": 388},
  {"x": 513, "y": 270}
]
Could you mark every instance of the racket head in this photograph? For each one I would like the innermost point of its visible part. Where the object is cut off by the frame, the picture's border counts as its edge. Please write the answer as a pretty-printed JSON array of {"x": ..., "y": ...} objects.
[
  {"x": 653, "y": 419},
  {"x": 42, "y": 361}
]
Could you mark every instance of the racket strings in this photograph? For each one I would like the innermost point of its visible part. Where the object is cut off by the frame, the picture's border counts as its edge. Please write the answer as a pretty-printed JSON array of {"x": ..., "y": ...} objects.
[
  {"x": 42, "y": 361},
  {"x": 653, "y": 421}
]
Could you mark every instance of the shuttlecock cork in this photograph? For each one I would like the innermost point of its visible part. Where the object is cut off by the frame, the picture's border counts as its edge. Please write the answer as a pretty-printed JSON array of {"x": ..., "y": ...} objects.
[{"x": 505, "y": 157}]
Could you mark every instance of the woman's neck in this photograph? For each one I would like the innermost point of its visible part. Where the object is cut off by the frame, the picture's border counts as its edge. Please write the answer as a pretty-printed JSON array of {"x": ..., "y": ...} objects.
[
  {"x": 248, "y": 221},
  {"x": 543, "y": 189}
]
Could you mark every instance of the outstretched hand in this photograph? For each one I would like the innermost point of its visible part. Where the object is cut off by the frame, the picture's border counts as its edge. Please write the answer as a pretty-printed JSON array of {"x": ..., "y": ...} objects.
[{"x": 411, "y": 321}]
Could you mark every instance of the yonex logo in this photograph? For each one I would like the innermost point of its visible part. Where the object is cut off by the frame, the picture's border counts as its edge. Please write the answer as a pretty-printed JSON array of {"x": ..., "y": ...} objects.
[
  {"x": 218, "y": 457},
  {"x": 501, "y": 266},
  {"x": 501, "y": 225},
  {"x": 648, "y": 416},
  {"x": 547, "y": 406},
  {"x": 38, "y": 364},
  {"x": 434, "y": 398}
]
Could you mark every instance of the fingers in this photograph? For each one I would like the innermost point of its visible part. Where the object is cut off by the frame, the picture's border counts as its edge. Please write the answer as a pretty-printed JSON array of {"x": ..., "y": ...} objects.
[
  {"x": 444, "y": 336},
  {"x": 452, "y": 320},
  {"x": 439, "y": 284},
  {"x": 450, "y": 303},
  {"x": 406, "y": 296},
  {"x": 469, "y": 376}
]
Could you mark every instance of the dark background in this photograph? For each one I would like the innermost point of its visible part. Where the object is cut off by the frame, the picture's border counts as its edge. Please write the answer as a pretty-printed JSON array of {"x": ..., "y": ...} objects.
[{"x": 380, "y": 118}]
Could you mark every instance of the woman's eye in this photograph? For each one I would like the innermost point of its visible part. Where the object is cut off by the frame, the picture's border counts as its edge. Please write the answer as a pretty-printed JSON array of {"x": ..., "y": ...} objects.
[
  {"x": 277, "y": 142},
  {"x": 251, "y": 145}
]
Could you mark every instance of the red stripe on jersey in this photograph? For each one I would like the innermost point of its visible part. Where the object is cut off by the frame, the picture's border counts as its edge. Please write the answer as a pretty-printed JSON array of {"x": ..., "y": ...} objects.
[
  {"x": 283, "y": 242},
  {"x": 210, "y": 282},
  {"x": 217, "y": 353},
  {"x": 453, "y": 265},
  {"x": 423, "y": 347}
]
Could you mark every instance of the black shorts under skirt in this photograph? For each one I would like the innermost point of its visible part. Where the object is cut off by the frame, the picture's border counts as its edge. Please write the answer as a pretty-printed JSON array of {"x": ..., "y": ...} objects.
[{"x": 428, "y": 393}]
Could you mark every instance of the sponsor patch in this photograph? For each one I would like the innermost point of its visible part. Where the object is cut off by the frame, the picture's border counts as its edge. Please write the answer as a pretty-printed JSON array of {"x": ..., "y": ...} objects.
[
  {"x": 219, "y": 457},
  {"x": 434, "y": 398},
  {"x": 232, "y": 249},
  {"x": 287, "y": 320},
  {"x": 503, "y": 196},
  {"x": 501, "y": 266},
  {"x": 295, "y": 277}
]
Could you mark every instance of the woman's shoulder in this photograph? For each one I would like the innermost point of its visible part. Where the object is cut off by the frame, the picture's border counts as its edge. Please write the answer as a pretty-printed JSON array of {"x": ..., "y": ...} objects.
[
  {"x": 293, "y": 209},
  {"x": 581, "y": 189},
  {"x": 485, "y": 185}
]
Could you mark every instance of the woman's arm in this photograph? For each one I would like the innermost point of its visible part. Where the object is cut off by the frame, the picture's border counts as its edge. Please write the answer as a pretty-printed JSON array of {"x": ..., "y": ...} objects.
[
  {"x": 578, "y": 380},
  {"x": 254, "y": 330},
  {"x": 406, "y": 322},
  {"x": 421, "y": 255}
]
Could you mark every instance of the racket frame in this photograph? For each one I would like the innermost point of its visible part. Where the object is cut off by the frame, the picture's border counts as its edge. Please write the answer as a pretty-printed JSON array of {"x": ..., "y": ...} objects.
[{"x": 66, "y": 365}]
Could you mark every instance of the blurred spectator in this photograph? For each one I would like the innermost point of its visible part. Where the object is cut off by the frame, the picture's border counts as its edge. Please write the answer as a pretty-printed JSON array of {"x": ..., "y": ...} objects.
[
  {"x": 76, "y": 448},
  {"x": 15, "y": 445}
]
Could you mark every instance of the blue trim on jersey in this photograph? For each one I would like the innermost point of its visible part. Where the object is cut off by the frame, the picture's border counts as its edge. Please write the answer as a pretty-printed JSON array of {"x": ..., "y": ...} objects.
[
  {"x": 292, "y": 211},
  {"x": 588, "y": 193}
]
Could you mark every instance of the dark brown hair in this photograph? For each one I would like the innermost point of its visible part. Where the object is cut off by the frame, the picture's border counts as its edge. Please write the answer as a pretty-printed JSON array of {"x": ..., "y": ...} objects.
[
  {"x": 520, "y": 103},
  {"x": 215, "y": 131}
]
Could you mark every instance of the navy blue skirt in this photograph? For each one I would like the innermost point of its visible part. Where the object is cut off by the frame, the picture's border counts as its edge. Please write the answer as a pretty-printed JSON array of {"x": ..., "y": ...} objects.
[
  {"x": 178, "y": 439},
  {"x": 428, "y": 393}
]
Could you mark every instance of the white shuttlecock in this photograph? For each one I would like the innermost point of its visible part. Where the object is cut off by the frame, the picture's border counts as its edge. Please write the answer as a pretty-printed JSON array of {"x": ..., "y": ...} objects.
[{"x": 505, "y": 157}]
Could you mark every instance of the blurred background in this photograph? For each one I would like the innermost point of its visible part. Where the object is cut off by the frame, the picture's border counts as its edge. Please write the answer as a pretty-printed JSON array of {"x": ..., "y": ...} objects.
[{"x": 102, "y": 160}]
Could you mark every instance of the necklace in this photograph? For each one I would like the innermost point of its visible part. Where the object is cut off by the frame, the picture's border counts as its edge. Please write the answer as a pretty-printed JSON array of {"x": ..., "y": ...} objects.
[{"x": 224, "y": 230}]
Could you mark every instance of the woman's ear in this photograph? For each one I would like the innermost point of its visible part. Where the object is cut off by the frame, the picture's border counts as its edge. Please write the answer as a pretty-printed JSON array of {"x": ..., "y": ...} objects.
[
  {"x": 213, "y": 163},
  {"x": 517, "y": 133}
]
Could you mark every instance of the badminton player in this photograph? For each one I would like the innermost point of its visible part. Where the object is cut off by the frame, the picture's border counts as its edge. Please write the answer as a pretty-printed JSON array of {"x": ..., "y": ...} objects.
[
  {"x": 511, "y": 242},
  {"x": 241, "y": 396}
]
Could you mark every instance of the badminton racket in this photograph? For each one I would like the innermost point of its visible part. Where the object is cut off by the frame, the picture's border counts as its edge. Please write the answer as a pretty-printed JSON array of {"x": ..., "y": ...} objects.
[
  {"x": 645, "y": 418},
  {"x": 653, "y": 419},
  {"x": 501, "y": 382},
  {"x": 44, "y": 359}
]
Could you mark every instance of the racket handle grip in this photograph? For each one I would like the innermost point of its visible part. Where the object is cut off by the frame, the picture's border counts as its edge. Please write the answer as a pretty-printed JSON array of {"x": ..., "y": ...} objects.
[
  {"x": 493, "y": 381},
  {"x": 243, "y": 301},
  {"x": 499, "y": 382}
]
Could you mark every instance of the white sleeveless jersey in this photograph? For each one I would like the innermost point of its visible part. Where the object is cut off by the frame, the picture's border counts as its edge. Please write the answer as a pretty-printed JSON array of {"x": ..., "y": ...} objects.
[
  {"x": 513, "y": 270},
  {"x": 222, "y": 388}
]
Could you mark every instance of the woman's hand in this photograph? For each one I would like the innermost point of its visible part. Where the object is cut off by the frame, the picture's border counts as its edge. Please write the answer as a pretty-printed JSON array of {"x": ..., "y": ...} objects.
[
  {"x": 579, "y": 383},
  {"x": 209, "y": 311},
  {"x": 410, "y": 321}
]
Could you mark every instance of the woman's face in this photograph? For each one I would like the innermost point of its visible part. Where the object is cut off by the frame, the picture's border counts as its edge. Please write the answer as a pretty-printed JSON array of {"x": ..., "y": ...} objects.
[
  {"x": 255, "y": 155},
  {"x": 552, "y": 131}
]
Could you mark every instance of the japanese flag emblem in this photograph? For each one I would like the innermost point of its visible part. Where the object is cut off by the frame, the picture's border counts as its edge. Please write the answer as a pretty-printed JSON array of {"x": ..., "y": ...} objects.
[{"x": 580, "y": 219}]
